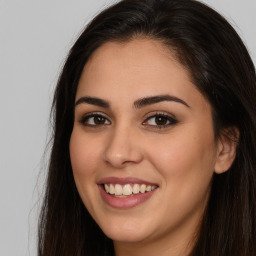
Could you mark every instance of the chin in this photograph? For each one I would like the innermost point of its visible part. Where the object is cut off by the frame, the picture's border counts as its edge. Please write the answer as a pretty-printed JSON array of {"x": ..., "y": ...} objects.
[
  {"x": 126, "y": 237},
  {"x": 126, "y": 233}
]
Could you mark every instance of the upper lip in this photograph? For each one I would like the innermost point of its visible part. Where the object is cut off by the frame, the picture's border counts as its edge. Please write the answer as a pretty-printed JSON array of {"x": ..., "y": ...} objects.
[{"x": 123, "y": 181}]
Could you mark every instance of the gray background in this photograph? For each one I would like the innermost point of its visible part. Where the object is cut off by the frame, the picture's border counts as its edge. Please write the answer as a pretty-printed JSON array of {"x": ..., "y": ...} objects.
[{"x": 35, "y": 36}]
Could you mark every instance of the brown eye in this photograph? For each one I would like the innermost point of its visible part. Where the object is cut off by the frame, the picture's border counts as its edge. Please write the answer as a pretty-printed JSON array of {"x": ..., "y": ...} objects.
[
  {"x": 94, "y": 120},
  {"x": 99, "y": 120},
  {"x": 160, "y": 121}
]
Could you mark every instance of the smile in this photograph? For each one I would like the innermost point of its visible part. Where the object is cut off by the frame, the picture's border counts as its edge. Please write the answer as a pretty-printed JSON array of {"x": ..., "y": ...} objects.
[
  {"x": 125, "y": 193},
  {"x": 128, "y": 189}
]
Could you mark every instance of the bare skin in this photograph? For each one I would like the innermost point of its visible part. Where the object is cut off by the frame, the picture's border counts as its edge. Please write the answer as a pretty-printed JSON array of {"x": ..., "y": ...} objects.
[{"x": 170, "y": 143}]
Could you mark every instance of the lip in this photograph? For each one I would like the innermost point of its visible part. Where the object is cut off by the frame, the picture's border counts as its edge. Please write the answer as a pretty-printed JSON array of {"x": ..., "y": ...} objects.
[
  {"x": 124, "y": 202},
  {"x": 123, "y": 181}
]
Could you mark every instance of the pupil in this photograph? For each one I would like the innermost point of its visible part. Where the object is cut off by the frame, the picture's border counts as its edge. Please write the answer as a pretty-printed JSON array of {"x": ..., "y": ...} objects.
[
  {"x": 160, "y": 120},
  {"x": 99, "y": 120}
]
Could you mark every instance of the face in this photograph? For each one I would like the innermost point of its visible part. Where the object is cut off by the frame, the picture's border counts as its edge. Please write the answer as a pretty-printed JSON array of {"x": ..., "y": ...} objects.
[{"x": 142, "y": 149}]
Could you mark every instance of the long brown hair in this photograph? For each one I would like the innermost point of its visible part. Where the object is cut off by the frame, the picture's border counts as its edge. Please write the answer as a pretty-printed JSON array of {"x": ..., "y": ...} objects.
[{"x": 220, "y": 67}]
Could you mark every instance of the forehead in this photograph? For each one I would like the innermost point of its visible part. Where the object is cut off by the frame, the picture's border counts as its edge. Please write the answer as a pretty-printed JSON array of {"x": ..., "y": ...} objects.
[
  {"x": 138, "y": 68},
  {"x": 130, "y": 51},
  {"x": 148, "y": 58}
]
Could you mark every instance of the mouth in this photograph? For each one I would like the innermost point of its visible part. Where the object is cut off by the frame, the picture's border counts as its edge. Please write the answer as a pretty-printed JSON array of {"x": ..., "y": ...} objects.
[
  {"x": 127, "y": 190},
  {"x": 124, "y": 193}
]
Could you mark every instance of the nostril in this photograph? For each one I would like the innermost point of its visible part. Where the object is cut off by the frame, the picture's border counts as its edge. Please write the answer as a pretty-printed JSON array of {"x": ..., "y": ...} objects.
[{"x": 123, "y": 158}]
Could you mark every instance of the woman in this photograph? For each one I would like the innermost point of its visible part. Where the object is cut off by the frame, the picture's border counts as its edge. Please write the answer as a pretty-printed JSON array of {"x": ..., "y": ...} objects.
[{"x": 155, "y": 137}]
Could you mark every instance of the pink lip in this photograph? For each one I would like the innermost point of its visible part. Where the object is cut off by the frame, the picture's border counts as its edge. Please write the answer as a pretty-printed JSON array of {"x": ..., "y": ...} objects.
[
  {"x": 124, "y": 202},
  {"x": 123, "y": 181}
]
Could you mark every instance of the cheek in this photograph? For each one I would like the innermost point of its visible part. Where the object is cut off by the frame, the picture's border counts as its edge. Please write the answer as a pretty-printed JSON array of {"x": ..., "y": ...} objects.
[
  {"x": 84, "y": 154},
  {"x": 186, "y": 157},
  {"x": 186, "y": 166}
]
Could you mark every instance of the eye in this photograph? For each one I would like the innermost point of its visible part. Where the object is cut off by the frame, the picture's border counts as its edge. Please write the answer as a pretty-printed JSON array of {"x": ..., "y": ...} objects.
[
  {"x": 160, "y": 121},
  {"x": 94, "y": 120}
]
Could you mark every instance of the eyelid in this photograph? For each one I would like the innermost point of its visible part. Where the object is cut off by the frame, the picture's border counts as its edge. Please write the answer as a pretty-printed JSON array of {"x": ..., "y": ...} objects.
[
  {"x": 159, "y": 113},
  {"x": 92, "y": 114},
  {"x": 173, "y": 120}
]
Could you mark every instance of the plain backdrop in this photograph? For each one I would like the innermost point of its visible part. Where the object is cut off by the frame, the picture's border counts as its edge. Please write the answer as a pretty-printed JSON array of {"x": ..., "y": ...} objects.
[{"x": 35, "y": 36}]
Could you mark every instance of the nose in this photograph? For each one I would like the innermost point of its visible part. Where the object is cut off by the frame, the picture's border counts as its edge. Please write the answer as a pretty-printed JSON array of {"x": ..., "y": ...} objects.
[{"x": 123, "y": 148}]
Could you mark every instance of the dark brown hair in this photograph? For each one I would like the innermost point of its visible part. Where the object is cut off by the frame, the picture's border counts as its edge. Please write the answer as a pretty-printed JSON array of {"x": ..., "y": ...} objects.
[{"x": 221, "y": 68}]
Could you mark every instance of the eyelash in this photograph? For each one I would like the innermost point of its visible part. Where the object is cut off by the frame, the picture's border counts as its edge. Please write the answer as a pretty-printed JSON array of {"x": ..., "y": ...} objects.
[
  {"x": 170, "y": 120},
  {"x": 85, "y": 119}
]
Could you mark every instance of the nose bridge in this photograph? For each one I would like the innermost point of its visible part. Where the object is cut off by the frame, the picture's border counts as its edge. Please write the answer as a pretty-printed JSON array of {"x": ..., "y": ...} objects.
[{"x": 122, "y": 146}]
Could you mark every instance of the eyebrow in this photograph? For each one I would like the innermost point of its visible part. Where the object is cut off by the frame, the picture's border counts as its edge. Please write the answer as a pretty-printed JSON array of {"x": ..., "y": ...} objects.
[
  {"x": 93, "y": 101},
  {"x": 137, "y": 104},
  {"x": 156, "y": 99}
]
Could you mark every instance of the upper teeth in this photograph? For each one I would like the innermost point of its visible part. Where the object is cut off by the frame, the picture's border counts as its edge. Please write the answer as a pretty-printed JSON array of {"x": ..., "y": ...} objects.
[{"x": 127, "y": 189}]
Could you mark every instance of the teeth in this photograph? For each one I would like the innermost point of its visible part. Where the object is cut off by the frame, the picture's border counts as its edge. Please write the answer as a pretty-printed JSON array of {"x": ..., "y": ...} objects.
[
  {"x": 111, "y": 189},
  {"x": 142, "y": 188},
  {"x": 148, "y": 188},
  {"x": 118, "y": 190},
  {"x": 127, "y": 189},
  {"x": 106, "y": 188},
  {"x": 136, "y": 189}
]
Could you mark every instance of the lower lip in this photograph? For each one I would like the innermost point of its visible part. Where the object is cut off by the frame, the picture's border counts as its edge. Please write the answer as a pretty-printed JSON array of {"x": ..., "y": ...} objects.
[{"x": 125, "y": 202}]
